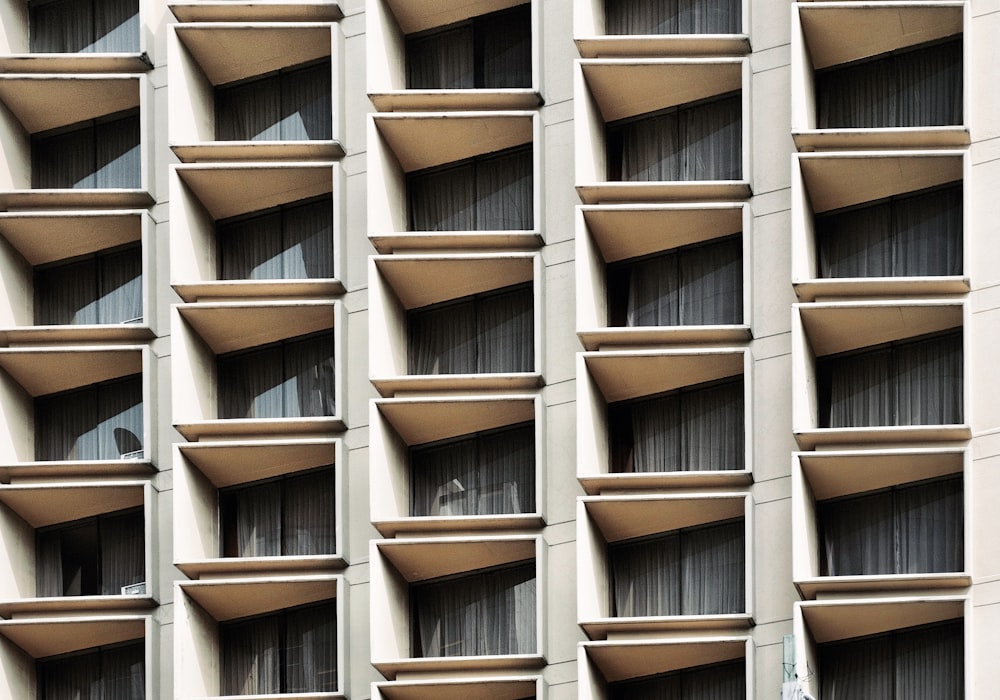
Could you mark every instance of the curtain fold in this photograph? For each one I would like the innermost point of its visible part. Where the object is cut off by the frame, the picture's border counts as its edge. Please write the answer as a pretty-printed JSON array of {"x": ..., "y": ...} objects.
[
  {"x": 638, "y": 17},
  {"x": 505, "y": 331},
  {"x": 258, "y": 521},
  {"x": 504, "y": 192},
  {"x": 309, "y": 515},
  {"x": 311, "y": 650},
  {"x": 251, "y": 656},
  {"x": 123, "y": 544},
  {"x": 48, "y": 564}
]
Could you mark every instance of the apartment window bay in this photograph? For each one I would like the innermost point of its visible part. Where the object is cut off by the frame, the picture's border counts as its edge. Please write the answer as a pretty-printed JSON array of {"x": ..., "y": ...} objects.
[
  {"x": 101, "y": 153},
  {"x": 698, "y": 428},
  {"x": 95, "y": 556},
  {"x": 917, "y": 381},
  {"x": 916, "y": 234},
  {"x": 489, "y": 473},
  {"x": 690, "y": 286},
  {"x": 293, "y": 104},
  {"x": 290, "y": 651},
  {"x": 83, "y": 26},
  {"x": 694, "y": 141},
  {"x": 293, "y": 515},
  {"x": 694, "y": 571},
  {"x": 291, "y": 379},
  {"x": 913, "y": 87},
  {"x": 638, "y": 17},
  {"x": 488, "y": 51},
  {"x": 490, "y": 192},
  {"x": 101, "y": 421},
  {"x": 107, "y": 673},
  {"x": 725, "y": 681},
  {"x": 102, "y": 288},
  {"x": 485, "y": 333},
  {"x": 293, "y": 241},
  {"x": 908, "y": 529},
  {"x": 916, "y": 663},
  {"x": 487, "y": 612}
]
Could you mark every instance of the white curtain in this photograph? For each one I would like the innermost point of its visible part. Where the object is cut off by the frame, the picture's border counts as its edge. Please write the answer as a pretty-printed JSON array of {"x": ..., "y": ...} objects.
[
  {"x": 921, "y": 86},
  {"x": 491, "y": 192},
  {"x": 490, "y": 332},
  {"x": 84, "y": 26},
  {"x": 909, "y": 529},
  {"x": 258, "y": 520},
  {"x": 115, "y": 673},
  {"x": 914, "y": 235},
  {"x": 311, "y": 649},
  {"x": 913, "y": 382},
  {"x": 924, "y": 663},
  {"x": 486, "y": 474},
  {"x": 441, "y": 60},
  {"x": 102, "y": 154},
  {"x": 725, "y": 681},
  {"x": 638, "y": 17},
  {"x": 122, "y": 544},
  {"x": 482, "y": 613},
  {"x": 251, "y": 656},
  {"x": 700, "y": 141},
  {"x": 698, "y": 571}
]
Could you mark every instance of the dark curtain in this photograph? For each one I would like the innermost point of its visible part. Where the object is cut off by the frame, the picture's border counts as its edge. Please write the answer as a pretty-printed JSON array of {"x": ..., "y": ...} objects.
[
  {"x": 100, "y": 154},
  {"x": 488, "y": 473},
  {"x": 90, "y": 423},
  {"x": 291, "y": 651},
  {"x": 83, "y": 26},
  {"x": 701, "y": 141},
  {"x": 638, "y": 17},
  {"x": 919, "y": 234},
  {"x": 922, "y": 663},
  {"x": 113, "y": 673},
  {"x": 911, "y": 382},
  {"x": 697, "y": 571},
  {"x": 483, "y": 613},
  {"x": 918, "y": 86},
  {"x": 293, "y": 104},
  {"x": 700, "y": 428},
  {"x": 486, "y": 333},
  {"x": 293, "y": 379},
  {"x": 491, "y": 192},
  {"x": 909, "y": 529},
  {"x": 104, "y": 289},
  {"x": 725, "y": 681}
]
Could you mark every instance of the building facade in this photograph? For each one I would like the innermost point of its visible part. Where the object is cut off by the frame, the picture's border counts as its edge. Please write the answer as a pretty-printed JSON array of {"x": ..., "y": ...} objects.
[{"x": 406, "y": 349}]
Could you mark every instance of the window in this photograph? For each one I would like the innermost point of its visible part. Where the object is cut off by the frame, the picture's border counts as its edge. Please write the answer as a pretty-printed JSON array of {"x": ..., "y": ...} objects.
[
  {"x": 103, "y": 288},
  {"x": 293, "y": 104},
  {"x": 910, "y": 235},
  {"x": 907, "y": 529},
  {"x": 916, "y": 381},
  {"x": 102, "y": 153},
  {"x": 83, "y": 26},
  {"x": 291, "y": 651},
  {"x": 484, "y": 333},
  {"x": 489, "y": 51},
  {"x": 486, "y": 612},
  {"x": 490, "y": 192},
  {"x": 487, "y": 473},
  {"x": 913, "y": 87},
  {"x": 293, "y": 515},
  {"x": 106, "y": 673},
  {"x": 293, "y": 241},
  {"x": 672, "y": 16},
  {"x": 915, "y": 663},
  {"x": 291, "y": 379},
  {"x": 694, "y": 141},
  {"x": 100, "y": 421},
  {"x": 697, "y": 428},
  {"x": 725, "y": 681},
  {"x": 94, "y": 556},
  {"x": 692, "y": 571},
  {"x": 689, "y": 286}
]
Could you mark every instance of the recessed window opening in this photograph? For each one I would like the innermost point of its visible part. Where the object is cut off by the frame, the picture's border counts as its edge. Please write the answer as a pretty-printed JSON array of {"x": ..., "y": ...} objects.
[
  {"x": 83, "y": 26},
  {"x": 723, "y": 681},
  {"x": 99, "y": 153},
  {"x": 104, "y": 287}
]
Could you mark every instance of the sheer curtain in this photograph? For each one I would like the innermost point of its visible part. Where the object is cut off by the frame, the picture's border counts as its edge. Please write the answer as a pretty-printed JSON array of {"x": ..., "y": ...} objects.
[
  {"x": 307, "y": 230},
  {"x": 504, "y": 194},
  {"x": 258, "y": 520},
  {"x": 909, "y": 529},
  {"x": 701, "y": 141},
  {"x": 311, "y": 650},
  {"x": 699, "y": 571},
  {"x": 309, "y": 514},
  {"x": 115, "y": 673},
  {"x": 922, "y": 663},
  {"x": 913, "y": 382},
  {"x": 672, "y": 17},
  {"x": 306, "y": 104},
  {"x": 441, "y": 60},
  {"x": 503, "y": 41},
  {"x": 106, "y": 288},
  {"x": 85, "y": 26},
  {"x": 116, "y": 153},
  {"x": 482, "y": 613},
  {"x": 490, "y": 332},
  {"x": 725, "y": 681},
  {"x": 921, "y": 86},
  {"x": 102, "y": 154},
  {"x": 697, "y": 429},
  {"x": 486, "y": 474},
  {"x": 915, "y": 235},
  {"x": 251, "y": 656},
  {"x": 48, "y": 564},
  {"x": 122, "y": 543}
]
